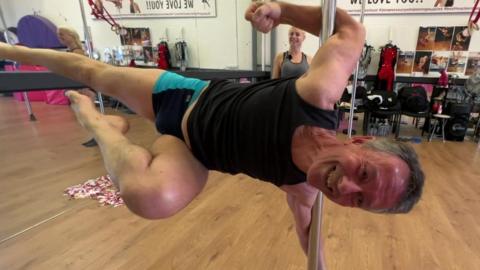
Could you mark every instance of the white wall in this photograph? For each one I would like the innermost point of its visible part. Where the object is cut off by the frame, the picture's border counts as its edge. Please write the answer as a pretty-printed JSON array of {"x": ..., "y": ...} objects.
[
  {"x": 221, "y": 42},
  {"x": 225, "y": 41}
]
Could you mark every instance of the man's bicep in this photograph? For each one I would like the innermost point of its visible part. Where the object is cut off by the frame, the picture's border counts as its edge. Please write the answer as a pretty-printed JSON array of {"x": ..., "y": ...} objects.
[{"x": 331, "y": 68}]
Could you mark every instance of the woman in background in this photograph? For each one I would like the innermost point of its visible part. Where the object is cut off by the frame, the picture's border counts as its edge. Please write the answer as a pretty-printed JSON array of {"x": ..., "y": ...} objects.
[{"x": 292, "y": 63}]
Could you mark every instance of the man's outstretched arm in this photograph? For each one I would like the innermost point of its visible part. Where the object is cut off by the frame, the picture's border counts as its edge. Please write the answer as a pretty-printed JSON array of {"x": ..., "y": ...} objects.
[
  {"x": 265, "y": 17},
  {"x": 333, "y": 63}
]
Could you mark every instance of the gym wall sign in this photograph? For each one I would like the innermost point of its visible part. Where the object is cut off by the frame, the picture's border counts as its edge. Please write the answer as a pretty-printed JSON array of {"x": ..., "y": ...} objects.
[
  {"x": 128, "y": 9},
  {"x": 382, "y": 7}
]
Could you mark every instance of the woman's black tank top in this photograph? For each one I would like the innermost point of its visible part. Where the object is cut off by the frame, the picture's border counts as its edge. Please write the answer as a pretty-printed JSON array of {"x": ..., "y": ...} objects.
[{"x": 238, "y": 128}]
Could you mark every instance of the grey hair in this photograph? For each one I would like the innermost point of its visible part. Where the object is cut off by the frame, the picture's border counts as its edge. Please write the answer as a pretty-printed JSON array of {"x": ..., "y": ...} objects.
[{"x": 417, "y": 177}]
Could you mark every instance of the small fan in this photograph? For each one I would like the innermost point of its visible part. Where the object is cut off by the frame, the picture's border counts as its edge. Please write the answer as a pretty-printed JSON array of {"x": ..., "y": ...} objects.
[{"x": 472, "y": 85}]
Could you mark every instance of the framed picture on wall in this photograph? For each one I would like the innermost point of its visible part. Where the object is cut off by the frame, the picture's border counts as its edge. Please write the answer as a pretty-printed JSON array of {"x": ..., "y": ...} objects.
[
  {"x": 148, "y": 54},
  {"x": 137, "y": 37},
  {"x": 405, "y": 62},
  {"x": 461, "y": 39},
  {"x": 443, "y": 38},
  {"x": 457, "y": 62},
  {"x": 439, "y": 61},
  {"x": 473, "y": 63},
  {"x": 422, "y": 61},
  {"x": 426, "y": 38}
]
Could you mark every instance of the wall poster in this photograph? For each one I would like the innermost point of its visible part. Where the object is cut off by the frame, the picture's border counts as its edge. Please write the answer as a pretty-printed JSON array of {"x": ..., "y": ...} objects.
[
  {"x": 383, "y": 7},
  {"x": 159, "y": 8}
]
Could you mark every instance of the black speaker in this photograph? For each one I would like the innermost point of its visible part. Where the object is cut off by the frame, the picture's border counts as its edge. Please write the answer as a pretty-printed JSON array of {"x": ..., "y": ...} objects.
[{"x": 456, "y": 127}]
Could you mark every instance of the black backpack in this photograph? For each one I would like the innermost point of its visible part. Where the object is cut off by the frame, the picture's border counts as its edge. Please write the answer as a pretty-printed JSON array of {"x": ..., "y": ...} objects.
[{"x": 413, "y": 99}]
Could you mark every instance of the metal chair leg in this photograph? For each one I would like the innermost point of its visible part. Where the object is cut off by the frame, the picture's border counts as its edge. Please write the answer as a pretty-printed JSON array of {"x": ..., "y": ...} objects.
[
  {"x": 443, "y": 129},
  {"x": 100, "y": 100},
  {"x": 433, "y": 130},
  {"x": 29, "y": 107}
]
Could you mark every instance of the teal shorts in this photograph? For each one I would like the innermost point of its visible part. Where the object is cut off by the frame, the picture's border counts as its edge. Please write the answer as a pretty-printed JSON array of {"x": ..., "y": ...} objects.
[
  {"x": 171, "y": 97},
  {"x": 173, "y": 81}
]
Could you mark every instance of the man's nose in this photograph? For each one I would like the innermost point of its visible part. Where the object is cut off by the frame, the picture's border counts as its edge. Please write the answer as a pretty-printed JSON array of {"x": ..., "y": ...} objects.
[{"x": 347, "y": 186}]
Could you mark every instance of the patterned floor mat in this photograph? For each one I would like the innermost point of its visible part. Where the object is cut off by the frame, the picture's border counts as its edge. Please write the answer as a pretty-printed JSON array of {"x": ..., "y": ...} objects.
[{"x": 100, "y": 189}]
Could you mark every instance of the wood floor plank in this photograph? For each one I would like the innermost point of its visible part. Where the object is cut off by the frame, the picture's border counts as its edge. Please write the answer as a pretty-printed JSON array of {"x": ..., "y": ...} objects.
[{"x": 236, "y": 222}]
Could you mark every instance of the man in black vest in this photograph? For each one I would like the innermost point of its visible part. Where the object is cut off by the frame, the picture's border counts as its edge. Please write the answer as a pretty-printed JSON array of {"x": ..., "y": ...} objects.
[{"x": 279, "y": 131}]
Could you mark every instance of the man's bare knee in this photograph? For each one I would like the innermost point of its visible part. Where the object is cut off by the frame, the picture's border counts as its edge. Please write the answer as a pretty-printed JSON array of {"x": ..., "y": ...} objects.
[{"x": 152, "y": 202}]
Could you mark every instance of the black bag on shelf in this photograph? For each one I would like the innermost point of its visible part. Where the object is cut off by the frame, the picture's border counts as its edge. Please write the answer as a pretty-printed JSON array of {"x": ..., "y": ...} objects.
[{"x": 413, "y": 99}]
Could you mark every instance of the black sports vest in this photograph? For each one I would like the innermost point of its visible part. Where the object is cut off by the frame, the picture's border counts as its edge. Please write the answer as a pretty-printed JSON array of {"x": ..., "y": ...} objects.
[{"x": 238, "y": 128}]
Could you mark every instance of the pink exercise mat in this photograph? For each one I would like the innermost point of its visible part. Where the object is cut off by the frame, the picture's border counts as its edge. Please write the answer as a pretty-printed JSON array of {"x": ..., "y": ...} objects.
[{"x": 53, "y": 97}]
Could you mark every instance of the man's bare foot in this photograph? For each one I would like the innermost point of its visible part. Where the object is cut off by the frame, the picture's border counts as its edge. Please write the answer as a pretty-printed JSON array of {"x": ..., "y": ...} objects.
[
  {"x": 88, "y": 116},
  {"x": 118, "y": 122},
  {"x": 89, "y": 93}
]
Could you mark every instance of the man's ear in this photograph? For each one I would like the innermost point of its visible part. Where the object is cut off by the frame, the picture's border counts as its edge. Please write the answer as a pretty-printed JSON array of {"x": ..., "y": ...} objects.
[{"x": 361, "y": 139}]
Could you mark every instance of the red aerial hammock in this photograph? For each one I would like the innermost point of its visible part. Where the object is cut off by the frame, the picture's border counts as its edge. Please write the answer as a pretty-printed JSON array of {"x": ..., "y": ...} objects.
[
  {"x": 99, "y": 11},
  {"x": 473, "y": 20}
]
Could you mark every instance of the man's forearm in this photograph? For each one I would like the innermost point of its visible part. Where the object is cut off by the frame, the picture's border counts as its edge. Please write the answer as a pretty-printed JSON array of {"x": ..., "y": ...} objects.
[{"x": 309, "y": 18}]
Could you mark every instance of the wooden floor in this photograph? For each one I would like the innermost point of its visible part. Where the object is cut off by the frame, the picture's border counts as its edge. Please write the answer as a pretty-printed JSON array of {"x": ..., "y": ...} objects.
[{"x": 236, "y": 223}]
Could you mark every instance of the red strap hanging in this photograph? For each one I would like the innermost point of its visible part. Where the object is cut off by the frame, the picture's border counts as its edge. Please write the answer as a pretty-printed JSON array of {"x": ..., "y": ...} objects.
[
  {"x": 473, "y": 20},
  {"x": 99, "y": 11}
]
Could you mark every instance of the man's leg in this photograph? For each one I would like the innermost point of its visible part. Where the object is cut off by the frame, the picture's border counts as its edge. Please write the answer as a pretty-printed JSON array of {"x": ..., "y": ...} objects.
[
  {"x": 154, "y": 183},
  {"x": 131, "y": 86}
]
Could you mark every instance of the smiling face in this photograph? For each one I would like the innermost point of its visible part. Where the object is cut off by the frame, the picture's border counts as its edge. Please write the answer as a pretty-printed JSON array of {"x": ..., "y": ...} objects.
[
  {"x": 355, "y": 176},
  {"x": 296, "y": 37}
]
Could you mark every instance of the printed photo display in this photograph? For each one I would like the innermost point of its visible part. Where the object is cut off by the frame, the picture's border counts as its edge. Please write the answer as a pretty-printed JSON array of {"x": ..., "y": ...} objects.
[
  {"x": 405, "y": 62},
  {"x": 443, "y": 38},
  {"x": 136, "y": 37},
  {"x": 461, "y": 39},
  {"x": 422, "y": 61},
  {"x": 473, "y": 63},
  {"x": 439, "y": 61},
  {"x": 457, "y": 62},
  {"x": 140, "y": 41},
  {"x": 426, "y": 39},
  {"x": 444, "y": 3},
  {"x": 439, "y": 48}
]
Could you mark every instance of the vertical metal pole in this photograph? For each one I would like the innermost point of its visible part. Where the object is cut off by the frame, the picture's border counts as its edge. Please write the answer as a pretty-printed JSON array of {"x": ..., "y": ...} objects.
[
  {"x": 264, "y": 50},
  {"x": 329, "y": 8},
  {"x": 273, "y": 49},
  {"x": 254, "y": 49},
  {"x": 25, "y": 95},
  {"x": 355, "y": 78},
  {"x": 89, "y": 44}
]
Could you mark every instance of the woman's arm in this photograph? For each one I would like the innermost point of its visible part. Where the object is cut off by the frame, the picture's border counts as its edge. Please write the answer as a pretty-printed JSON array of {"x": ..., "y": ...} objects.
[{"x": 277, "y": 66}]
